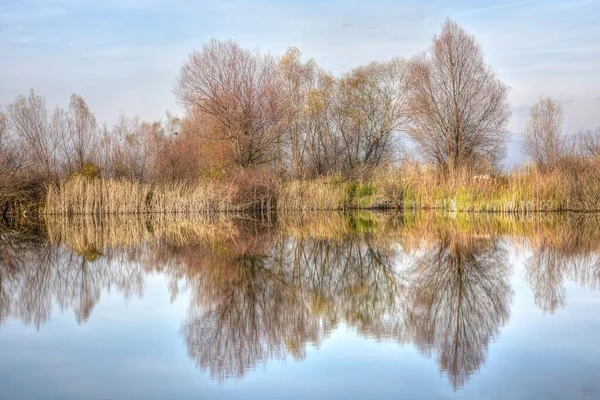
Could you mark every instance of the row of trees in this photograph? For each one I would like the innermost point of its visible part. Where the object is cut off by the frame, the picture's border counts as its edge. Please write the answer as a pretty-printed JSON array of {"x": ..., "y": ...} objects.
[
  {"x": 304, "y": 121},
  {"x": 245, "y": 109},
  {"x": 249, "y": 110},
  {"x": 57, "y": 144},
  {"x": 545, "y": 143}
]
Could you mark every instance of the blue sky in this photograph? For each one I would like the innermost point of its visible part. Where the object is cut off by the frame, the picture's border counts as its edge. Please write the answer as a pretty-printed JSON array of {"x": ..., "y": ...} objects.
[{"x": 125, "y": 55}]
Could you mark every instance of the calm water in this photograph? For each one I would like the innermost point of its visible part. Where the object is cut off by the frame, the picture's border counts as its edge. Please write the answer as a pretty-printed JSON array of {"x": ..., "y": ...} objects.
[{"x": 316, "y": 306}]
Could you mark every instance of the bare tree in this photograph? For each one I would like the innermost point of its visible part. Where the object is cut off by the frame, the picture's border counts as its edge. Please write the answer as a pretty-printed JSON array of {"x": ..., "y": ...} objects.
[
  {"x": 239, "y": 88},
  {"x": 324, "y": 144},
  {"x": 542, "y": 137},
  {"x": 459, "y": 105},
  {"x": 371, "y": 108},
  {"x": 76, "y": 134},
  {"x": 82, "y": 130},
  {"x": 130, "y": 148},
  {"x": 309, "y": 145},
  {"x": 29, "y": 121},
  {"x": 10, "y": 159},
  {"x": 589, "y": 142}
]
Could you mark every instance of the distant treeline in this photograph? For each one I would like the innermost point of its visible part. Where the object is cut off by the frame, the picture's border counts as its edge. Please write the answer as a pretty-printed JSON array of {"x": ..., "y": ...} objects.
[{"x": 255, "y": 124}]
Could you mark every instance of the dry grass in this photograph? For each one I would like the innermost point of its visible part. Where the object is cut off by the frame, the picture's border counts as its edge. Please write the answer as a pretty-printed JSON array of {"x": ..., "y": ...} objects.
[
  {"x": 573, "y": 186},
  {"x": 319, "y": 194},
  {"x": 107, "y": 196}
]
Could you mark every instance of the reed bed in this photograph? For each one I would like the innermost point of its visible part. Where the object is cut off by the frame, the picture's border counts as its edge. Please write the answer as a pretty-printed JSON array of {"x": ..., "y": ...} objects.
[
  {"x": 321, "y": 194},
  {"x": 412, "y": 187},
  {"x": 79, "y": 195}
]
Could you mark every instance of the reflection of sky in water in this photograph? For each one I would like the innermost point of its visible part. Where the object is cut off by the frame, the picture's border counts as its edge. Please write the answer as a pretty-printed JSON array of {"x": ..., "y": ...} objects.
[{"x": 135, "y": 349}]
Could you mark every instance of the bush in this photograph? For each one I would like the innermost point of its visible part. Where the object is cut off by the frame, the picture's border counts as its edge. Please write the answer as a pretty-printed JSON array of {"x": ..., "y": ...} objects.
[{"x": 88, "y": 171}]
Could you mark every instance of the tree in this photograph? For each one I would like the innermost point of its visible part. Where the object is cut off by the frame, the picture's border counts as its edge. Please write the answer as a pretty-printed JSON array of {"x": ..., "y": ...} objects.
[
  {"x": 29, "y": 121},
  {"x": 589, "y": 143},
  {"x": 10, "y": 164},
  {"x": 309, "y": 144},
  {"x": 76, "y": 133},
  {"x": 82, "y": 130},
  {"x": 371, "y": 108},
  {"x": 241, "y": 90},
  {"x": 542, "y": 137},
  {"x": 458, "y": 103}
]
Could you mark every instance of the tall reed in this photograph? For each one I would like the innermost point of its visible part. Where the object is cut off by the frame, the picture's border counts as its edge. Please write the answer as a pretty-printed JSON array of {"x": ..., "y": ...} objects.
[
  {"x": 108, "y": 196},
  {"x": 575, "y": 186}
]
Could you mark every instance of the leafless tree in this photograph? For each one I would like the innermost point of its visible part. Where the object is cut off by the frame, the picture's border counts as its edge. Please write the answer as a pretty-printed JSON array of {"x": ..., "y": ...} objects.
[
  {"x": 29, "y": 121},
  {"x": 127, "y": 148},
  {"x": 323, "y": 142},
  {"x": 542, "y": 137},
  {"x": 82, "y": 131},
  {"x": 240, "y": 88},
  {"x": 458, "y": 103},
  {"x": 589, "y": 142},
  {"x": 371, "y": 108},
  {"x": 10, "y": 157},
  {"x": 309, "y": 145}
]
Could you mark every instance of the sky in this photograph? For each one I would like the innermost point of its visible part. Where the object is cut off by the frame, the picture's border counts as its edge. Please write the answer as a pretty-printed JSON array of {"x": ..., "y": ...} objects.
[{"x": 124, "y": 55}]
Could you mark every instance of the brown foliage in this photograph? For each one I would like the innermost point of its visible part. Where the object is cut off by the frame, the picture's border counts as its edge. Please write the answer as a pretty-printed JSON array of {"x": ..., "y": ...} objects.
[{"x": 240, "y": 89}]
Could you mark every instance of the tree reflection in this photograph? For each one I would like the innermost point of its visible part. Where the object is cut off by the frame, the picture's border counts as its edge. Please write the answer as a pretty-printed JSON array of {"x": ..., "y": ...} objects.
[
  {"x": 569, "y": 252},
  {"x": 267, "y": 289},
  {"x": 34, "y": 275},
  {"x": 265, "y": 306},
  {"x": 544, "y": 274},
  {"x": 252, "y": 316},
  {"x": 458, "y": 298}
]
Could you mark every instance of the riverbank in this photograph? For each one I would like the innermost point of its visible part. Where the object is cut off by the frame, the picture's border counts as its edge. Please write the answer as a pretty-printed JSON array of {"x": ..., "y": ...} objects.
[
  {"x": 526, "y": 190},
  {"x": 571, "y": 188}
]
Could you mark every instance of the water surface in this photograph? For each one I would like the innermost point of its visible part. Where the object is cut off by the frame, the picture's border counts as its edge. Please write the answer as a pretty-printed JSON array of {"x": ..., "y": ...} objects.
[{"x": 301, "y": 306}]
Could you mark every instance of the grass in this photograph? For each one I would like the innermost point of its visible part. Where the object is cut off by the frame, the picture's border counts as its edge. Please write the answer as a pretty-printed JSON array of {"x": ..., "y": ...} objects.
[
  {"x": 79, "y": 195},
  {"x": 573, "y": 187}
]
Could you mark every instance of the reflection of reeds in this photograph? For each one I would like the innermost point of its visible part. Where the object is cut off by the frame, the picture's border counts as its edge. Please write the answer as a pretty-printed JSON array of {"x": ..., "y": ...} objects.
[
  {"x": 570, "y": 234},
  {"x": 86, "y": 231}
]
